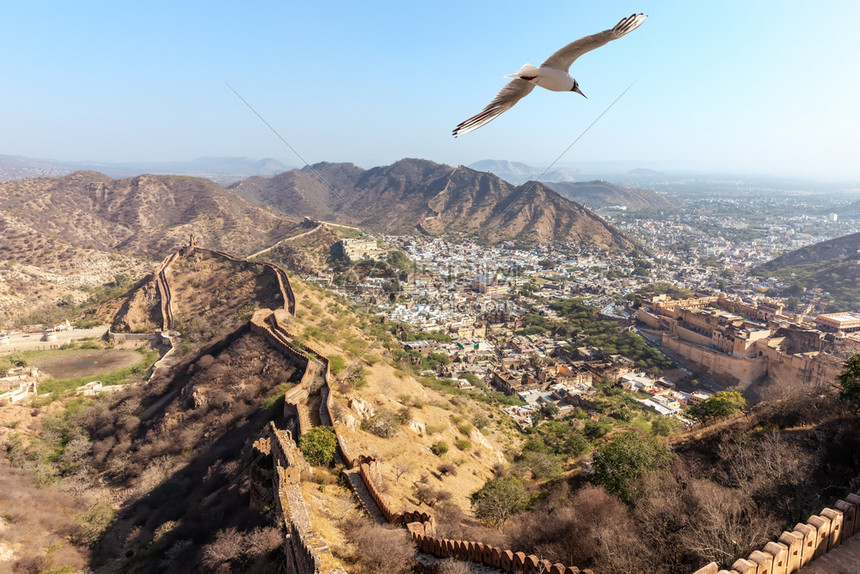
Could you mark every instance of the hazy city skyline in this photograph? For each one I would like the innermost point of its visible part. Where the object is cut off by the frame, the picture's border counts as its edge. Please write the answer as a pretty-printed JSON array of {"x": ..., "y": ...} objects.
[{"x": 766, "y": 88}]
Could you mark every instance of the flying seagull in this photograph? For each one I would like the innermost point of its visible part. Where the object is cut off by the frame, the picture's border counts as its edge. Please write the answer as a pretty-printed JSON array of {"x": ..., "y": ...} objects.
[{"x": 553, "y": 74}]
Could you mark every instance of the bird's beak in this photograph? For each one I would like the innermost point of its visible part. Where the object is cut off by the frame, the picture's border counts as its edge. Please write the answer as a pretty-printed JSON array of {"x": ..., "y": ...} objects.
[{"x": 578, "y": 91}]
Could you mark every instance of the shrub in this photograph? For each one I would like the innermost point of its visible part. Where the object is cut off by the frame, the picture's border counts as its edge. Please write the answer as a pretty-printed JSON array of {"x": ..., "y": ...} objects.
[
  {"x": 381, "y": 424},
  {"x": 480, "y": 421},
  {"x": 439, "y": 448},
  {"x": 541, "y": 465},
  {"x": 447, "y": 468},
  {"x": 463, "y": 444},
  {"x": 618, "y": 463},
  {"x": 499, "y": 499},
  {"x": 318, "y": 446},
  {"x": 336, "y": 363},
  {"x": 452, "y": 566},
  {"x": 721, "y": 404},
  {"x": 382, "y": 549},
  {"x": 594, "y": 430},
  {"x": 664, "y": 426},
  {"x": 849, "y": 380},
  {"x": 430, "y": 496}
]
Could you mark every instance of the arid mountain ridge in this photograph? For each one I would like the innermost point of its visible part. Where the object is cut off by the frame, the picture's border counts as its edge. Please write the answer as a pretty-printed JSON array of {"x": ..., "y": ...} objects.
[
  {"x": 414, "y": 195},
  {"x": 62, "y": 236}
]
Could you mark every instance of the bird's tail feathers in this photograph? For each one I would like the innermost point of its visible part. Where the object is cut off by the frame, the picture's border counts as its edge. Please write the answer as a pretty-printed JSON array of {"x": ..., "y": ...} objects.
[{"x": 526, "y": 70}]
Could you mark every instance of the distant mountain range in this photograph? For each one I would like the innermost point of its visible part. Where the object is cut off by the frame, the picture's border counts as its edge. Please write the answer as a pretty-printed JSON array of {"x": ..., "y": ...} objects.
[
  {"x": 518, "y": 173},
  {"x": 415, "y": 195},
  {"x": 602, "y": 194},
  {"x": 222, "y": 170},
  {"x": 568, "y": 182}
]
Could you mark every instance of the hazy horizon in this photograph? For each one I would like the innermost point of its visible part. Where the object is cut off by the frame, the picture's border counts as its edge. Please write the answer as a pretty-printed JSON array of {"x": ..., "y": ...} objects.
[{"x": 763, "y": 89}]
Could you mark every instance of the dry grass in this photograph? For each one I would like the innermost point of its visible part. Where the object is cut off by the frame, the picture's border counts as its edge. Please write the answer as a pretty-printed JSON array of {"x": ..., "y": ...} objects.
[{"x": 334, "y": 330}]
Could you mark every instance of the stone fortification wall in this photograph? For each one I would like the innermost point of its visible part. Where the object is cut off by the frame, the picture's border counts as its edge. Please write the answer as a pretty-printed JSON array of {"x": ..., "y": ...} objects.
[
  {"x": 820, "y": 534},
  {"x": 173, "y": 338},
  {"x": 164, "y": 293},
  {"x": 132, "y": 336},
  {"x": 287, "y": 294},
  {"x": 504, "y": 560},
  {"x": 326, "y": 411},
  {"x": 652, "y": 320},
  {"x": 422, "y": 528},
  {"x": 369, "y": 471},
  {"x": 295, "y": 405},
  {"x": 690, "y": 336},
  {"x": 745, "y": 370},
  {"x": 305, "y": 560},
  {"x": 287, "y": 462}
]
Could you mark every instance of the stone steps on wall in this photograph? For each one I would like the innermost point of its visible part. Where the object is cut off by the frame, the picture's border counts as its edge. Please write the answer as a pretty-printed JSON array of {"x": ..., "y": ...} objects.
[{"x": 363, "y": 495}]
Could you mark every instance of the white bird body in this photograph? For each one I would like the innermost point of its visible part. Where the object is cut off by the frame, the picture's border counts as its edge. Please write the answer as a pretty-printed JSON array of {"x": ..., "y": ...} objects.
[
  {"x": 553, "y": 74},
  {"x": 548, "y": 78}
]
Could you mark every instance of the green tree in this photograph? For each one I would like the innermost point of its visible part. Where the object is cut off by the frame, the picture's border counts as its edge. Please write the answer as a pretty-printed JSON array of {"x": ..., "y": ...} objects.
[
  {"x": 397, "y": 258},
  {"x": 618, "y": 463},
  {"x": 549, "y": 411},
  {"x": 593, "y": 430},
  {"x": 849, "y": 380},
  {"x": 664, "y": 426},
  {"x": 318, "y": 446},
  {"x": 499, "y": 499},
  {"x": 722, "y": 404}
]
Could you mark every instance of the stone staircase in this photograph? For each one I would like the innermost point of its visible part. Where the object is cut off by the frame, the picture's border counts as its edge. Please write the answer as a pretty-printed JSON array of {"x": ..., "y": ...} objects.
[{"x": 369, "y": 505}]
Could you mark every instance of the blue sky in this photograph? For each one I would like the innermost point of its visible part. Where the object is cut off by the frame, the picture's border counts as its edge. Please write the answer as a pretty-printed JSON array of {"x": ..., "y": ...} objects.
[{"x": 759, "y": 86}]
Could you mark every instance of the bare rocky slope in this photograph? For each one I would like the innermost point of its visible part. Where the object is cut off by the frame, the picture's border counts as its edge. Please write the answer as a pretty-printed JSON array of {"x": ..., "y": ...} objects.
[
  {"x": 63, "y": 236},
  {"x": 148, "y": 215},
  {"x": 832, "y": 251},
  {"x": 418, "y": 195}
]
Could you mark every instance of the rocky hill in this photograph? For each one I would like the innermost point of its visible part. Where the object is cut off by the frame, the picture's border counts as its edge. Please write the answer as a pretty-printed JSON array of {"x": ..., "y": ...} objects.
[
  {"x": 418, "y": 195},
  {"x": 601, "y": 194},
  {"x": 833, "y": 251},
  {"x": 63, "y": 236},
  {"x": 149, "y": 215},
  {"x": 832, "y": 266},
  {"x": 177, "y": 453},
  {"x": 851, "y": 211}
]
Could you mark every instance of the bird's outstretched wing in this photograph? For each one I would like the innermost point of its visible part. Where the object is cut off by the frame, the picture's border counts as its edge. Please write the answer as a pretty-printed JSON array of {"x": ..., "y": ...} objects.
[
  {"x": 562, "y": 59},
  {"x": 514, "y": 91}
]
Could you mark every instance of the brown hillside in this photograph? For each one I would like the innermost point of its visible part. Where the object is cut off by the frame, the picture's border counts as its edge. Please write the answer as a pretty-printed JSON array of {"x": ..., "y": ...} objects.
[
  {"x": 418, "y": 195},
  {"x": 61, "y": 237},
  {"x": 148, "y": 214}
]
